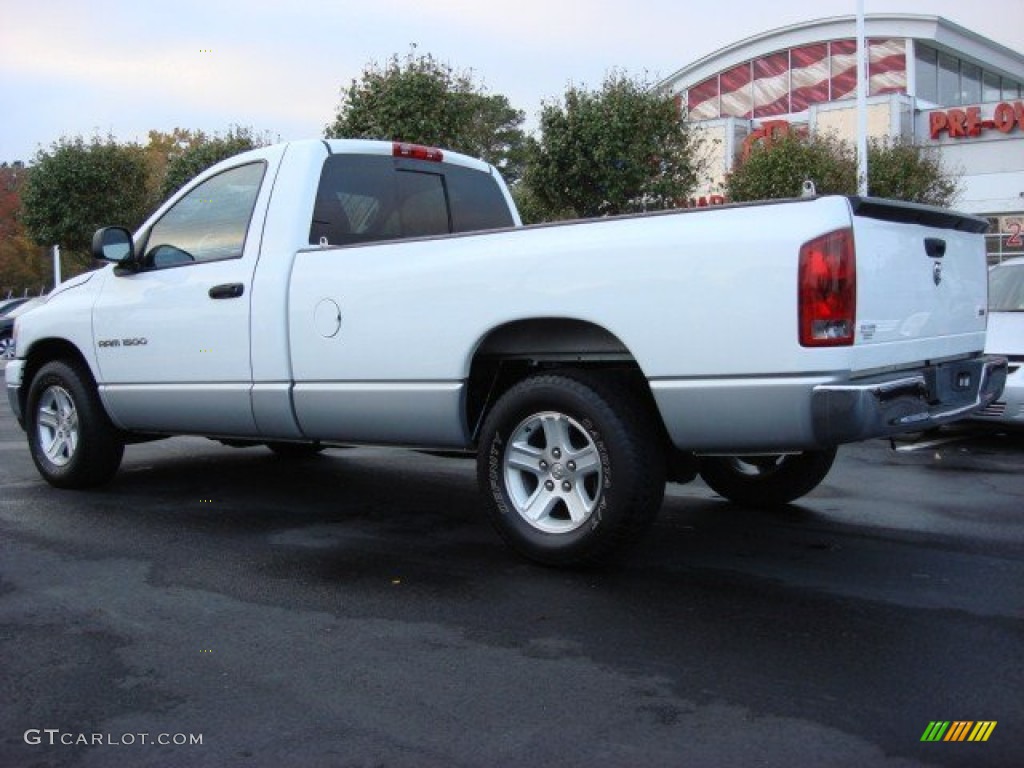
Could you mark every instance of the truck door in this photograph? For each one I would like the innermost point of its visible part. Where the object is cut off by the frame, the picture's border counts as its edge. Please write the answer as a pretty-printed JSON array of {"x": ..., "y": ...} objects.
[{"x": 172, "y": 339}]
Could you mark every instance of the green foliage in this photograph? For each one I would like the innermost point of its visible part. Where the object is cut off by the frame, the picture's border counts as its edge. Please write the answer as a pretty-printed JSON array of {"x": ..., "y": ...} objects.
[
  {"x": 421, "y": 100},
  {"x": 23, "y": 265},
  {"x": 161, "y": 148},
  {"x": 780, "y": 169},
  {"x": 620, "y": 149},
  {"x": 189, "y": 153},
  {"x": 901, "y": 170},
  {"x": 532, "y": 209},
  {"x": 76, "y": 187}
]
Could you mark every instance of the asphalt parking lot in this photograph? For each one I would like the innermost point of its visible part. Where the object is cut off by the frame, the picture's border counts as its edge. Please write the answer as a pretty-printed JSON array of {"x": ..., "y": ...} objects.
[{"x": 355, "y": 609}]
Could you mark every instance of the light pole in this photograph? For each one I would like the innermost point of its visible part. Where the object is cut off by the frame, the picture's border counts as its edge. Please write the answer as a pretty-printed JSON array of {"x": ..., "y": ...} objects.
[
  {"x": 56, "y": 266},
  {"x": 862, "y": 105}
]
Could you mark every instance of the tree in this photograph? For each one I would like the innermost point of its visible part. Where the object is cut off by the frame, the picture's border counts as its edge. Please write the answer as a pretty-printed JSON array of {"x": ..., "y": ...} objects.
[
  {"x": 421, "y": 100},
  {"x": 76, "y": 187},
  {"x": 23, "y": 266},
  {"x": 620, "y": 149},
  {"x": 779, "y": 168},
  {"x": 902, "y": 170},
  {"x": 164, "y": 146},
  {"x": 897, "y": 169},
  {"x": 189, "y": 153}
]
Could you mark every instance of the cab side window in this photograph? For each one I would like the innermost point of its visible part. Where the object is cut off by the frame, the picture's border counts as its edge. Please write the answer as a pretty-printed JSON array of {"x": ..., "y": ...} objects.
[
  {"x": 476, "y": 201},
  {"x": 422, "y": 204},
  {"x": 209, "y": 223},
  {"x": 364, "y": 198}
]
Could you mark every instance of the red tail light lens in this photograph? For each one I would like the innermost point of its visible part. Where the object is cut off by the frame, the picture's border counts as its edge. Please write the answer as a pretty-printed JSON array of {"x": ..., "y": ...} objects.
[
  {"x": 416, "y": 152},
  {"x": 828, "y": 290}
]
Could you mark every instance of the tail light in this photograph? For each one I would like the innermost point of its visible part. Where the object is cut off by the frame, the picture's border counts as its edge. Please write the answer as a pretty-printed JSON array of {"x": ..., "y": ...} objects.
[
  {"x": 828, "y": 290},
  {"x": 416, "y": 152}
]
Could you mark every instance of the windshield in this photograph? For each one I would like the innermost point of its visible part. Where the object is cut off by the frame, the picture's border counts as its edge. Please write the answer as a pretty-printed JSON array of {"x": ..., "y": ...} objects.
[{"x": 1006, "y": 288}]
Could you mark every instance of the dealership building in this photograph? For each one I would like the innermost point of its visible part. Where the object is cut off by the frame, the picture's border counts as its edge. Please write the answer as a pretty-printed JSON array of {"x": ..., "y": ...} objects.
[{"x": 930, "y": 81}]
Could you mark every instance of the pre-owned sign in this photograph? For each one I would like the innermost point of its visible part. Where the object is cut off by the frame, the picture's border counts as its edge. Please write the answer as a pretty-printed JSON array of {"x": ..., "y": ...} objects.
[{"x": 967, "y": 122}]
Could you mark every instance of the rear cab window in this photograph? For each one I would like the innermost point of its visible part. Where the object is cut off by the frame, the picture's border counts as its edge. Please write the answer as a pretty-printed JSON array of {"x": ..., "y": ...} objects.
[{"x": 368, "y": 198}]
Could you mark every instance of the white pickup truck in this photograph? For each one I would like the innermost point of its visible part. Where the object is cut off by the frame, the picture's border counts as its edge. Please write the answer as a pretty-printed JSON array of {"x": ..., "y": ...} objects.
[{"x": 347, "y": 292}]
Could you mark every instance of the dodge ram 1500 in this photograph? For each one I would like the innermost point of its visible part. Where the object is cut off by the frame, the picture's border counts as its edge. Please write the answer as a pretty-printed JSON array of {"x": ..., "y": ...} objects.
[{"x": 350, "y": 292}]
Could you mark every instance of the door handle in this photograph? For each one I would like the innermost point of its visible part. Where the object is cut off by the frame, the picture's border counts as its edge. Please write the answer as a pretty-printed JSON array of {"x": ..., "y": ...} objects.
[{"x": 227, "y": 291}]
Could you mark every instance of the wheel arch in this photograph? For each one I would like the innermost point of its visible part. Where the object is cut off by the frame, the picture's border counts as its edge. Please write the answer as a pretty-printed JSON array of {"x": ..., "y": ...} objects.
[
  {"x": 44, "y": 351},
  {"x": 510, "y": 352}
]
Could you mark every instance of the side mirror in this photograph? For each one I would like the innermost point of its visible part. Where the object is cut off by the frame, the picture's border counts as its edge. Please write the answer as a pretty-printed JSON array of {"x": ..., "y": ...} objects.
[{"x": 113, "y": 244}]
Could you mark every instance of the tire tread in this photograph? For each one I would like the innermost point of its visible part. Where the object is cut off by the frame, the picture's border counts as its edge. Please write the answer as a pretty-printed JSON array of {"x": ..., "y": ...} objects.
[{"x": 100, "y": 445}]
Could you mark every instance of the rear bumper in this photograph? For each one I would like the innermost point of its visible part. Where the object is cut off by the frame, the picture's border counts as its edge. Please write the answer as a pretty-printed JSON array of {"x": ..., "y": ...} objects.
[{"x": 908, "y": 401}]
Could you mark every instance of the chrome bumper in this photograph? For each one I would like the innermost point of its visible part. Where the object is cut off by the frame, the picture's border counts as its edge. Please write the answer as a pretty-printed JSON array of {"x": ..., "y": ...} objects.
[{"x": 908, "y": 401}]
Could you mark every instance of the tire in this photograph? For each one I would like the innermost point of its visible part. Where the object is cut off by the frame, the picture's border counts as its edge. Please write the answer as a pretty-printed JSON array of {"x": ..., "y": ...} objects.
[
  {"x": 295, "y": 450},
  {"x": 6, "y": 347},
  {"x": 572, "y": 469},
  {"x": 766, "y": 481},
  {"x": 72, "y": 441}
]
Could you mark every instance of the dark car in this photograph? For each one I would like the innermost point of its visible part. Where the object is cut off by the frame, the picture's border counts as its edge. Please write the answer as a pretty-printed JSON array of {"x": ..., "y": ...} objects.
[
  {"x": 7, "y": 325},
  {"x": 6, "y": 305}
]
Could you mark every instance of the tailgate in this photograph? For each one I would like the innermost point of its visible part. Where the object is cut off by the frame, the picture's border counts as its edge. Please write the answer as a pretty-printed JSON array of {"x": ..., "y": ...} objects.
[{"x": 922, "y": 283}]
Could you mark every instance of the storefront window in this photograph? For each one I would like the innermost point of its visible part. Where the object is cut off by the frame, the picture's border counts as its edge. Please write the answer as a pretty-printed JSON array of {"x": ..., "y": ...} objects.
[
  {"x": 927, "y": 74},
  {"x": 736, "y": 97},
  {"x": 702, "y": 100},
  {"x": 970, "y": 83},
  {"x": 1011, "y": 90},
  {"x": 990, "y": 87},
  {"x": 949, "y": 80},
  {"x": 844, "y": 69},
  {"x": 810, "y": 76},
  {"x": 771, "y": 85},
  {"x": 1005, "y": 238},
  {"x": 887, "y": 66}
]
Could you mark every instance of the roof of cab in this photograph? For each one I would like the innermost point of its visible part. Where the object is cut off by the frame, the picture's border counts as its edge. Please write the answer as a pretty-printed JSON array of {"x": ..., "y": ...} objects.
[{"x": 375, "y": 147}]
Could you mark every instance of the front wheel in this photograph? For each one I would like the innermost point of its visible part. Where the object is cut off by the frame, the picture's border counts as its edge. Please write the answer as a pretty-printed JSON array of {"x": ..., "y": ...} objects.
[
  {"x": 6, "y": 347},
  {"x": 572, "y": 468},
  {"x": 71, "y": 438},
  {"x": 766, "y": 481}
]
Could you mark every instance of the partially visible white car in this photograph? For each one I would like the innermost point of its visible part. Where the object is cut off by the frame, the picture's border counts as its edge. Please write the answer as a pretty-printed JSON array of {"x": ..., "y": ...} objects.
[{"x": 1006, "y": 338}]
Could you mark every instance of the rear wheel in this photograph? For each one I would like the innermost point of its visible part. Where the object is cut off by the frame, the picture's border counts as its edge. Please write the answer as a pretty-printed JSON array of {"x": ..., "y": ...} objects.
[
  {"x": 72, "y": 441},
  {"x": 572, "y": 468},
  {"x": 766, "y": 481},
  {"x": 6, "y": 347}
]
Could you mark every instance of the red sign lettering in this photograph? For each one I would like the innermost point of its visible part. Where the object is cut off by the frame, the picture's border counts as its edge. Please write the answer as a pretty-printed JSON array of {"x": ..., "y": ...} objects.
[
  {"x": 769, "y": 132},
  {"x": 967, "y": 123},
  {"x": 957, "y": 120},
  {"x": 1015, "y": 240},
  {"x": 973, "y": 121},
  {"x": 1004, "y": 117}
]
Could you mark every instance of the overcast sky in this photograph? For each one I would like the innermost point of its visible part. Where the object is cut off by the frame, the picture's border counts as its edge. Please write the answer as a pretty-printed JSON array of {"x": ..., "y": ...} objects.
[{"x": 110, "y": 66}]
